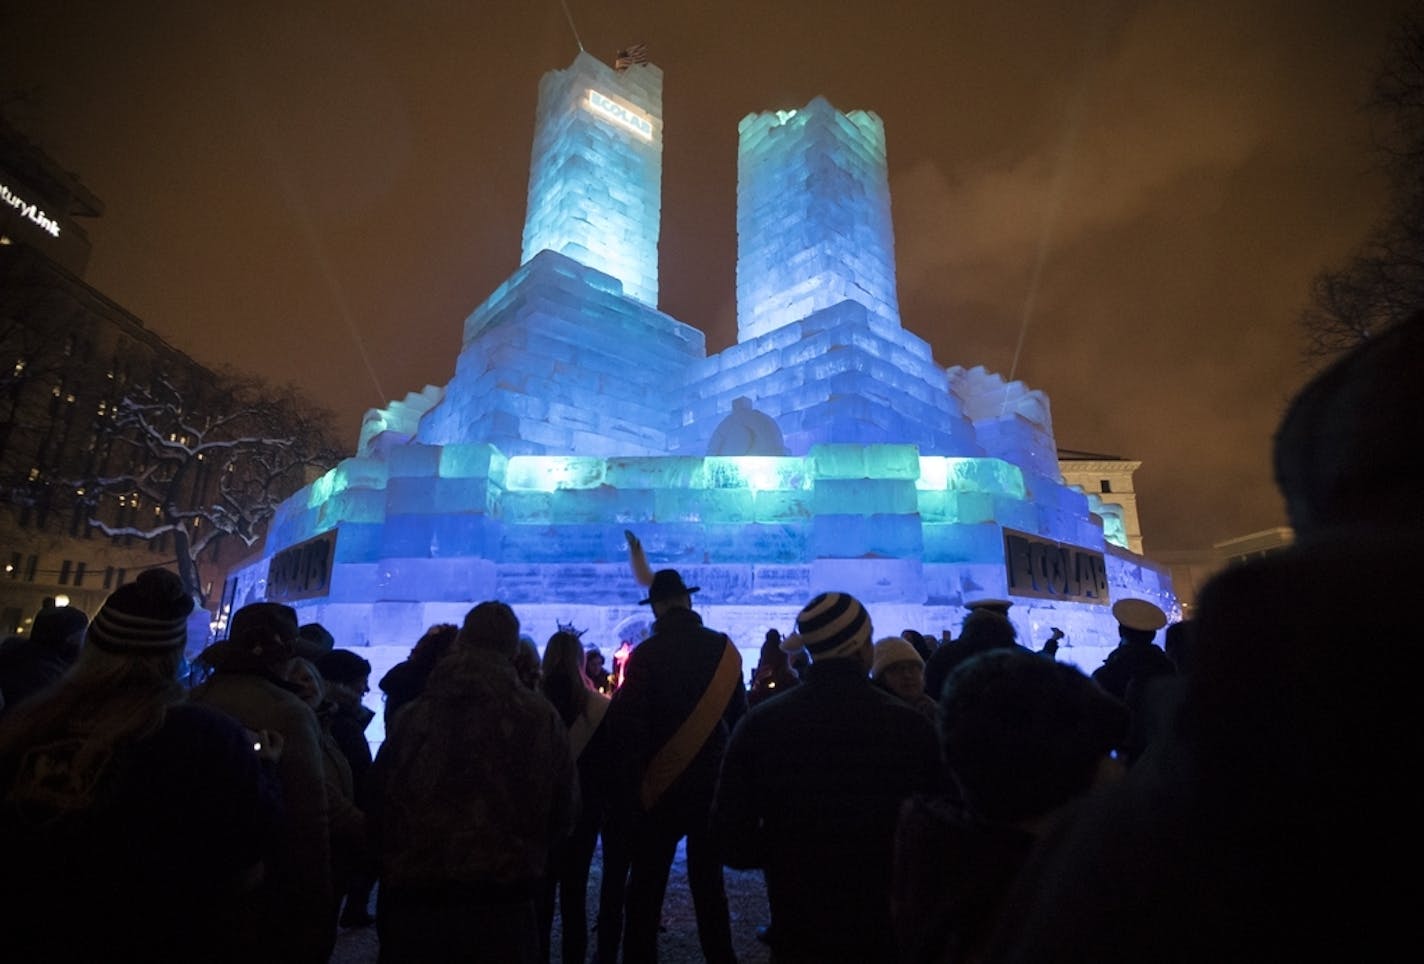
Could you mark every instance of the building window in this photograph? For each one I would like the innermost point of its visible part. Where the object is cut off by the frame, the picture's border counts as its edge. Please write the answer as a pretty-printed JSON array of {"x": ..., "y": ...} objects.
[
  {"x": 64, "y": 568},
  {"x": 79, "y": 574},
  {"x": 12, "y": 568},
  {"x": 1106, "y": 485},
  {"x": 32, "y": 565}
]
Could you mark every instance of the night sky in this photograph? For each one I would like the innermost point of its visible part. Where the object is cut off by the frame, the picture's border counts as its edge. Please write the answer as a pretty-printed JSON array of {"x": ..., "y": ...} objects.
[{"x": 320, "y": 192}]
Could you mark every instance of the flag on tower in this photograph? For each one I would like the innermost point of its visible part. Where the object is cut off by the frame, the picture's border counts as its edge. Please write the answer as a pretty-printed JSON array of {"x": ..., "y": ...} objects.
[{"x": 633, "y": 54}]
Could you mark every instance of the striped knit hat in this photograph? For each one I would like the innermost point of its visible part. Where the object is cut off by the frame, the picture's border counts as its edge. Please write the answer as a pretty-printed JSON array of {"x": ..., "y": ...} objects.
[
  {"x": 148, "y": 615},
  {"x": 834, "y": 625}
]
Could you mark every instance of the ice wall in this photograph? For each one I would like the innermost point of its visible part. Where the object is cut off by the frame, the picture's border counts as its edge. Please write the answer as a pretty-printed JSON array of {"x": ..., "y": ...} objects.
[
  {"x": 813, "y": 217},
  {"x": 397, "y": 422},
  {"x": 595, "y": 179},
  {"x": 559, "y": 361},
  {"x": 840, "y": 376},
  {"x": 1011, "y": 421},
  {"x": 445, "y": 525}
]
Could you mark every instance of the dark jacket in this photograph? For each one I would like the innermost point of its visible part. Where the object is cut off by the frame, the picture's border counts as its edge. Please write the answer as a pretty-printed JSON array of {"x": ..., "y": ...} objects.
[
  {"x": 28, "y": 666},
  {"x": 474, "y": 782},
  {"x": 402, "y": 683},
  {"x": 1266, "y": 823},
  {"x": 810, "y": 791},
  {"x": 299, "y": 882},
  {"x": 1132, "y": 663},
  {"x": 664, "y": 680},
  {"x": 146, "y": 862},
  {"x": 952, "y": 873}
]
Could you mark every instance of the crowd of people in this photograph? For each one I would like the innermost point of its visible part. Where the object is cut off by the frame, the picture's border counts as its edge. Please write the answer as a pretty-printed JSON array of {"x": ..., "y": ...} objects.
[{"x": 1228, "y": 789}]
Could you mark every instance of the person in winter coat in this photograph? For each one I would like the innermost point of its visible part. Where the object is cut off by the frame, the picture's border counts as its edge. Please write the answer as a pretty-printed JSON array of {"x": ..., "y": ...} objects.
[
  {"x": 582, "y": 708},
  {"x": 132, "y": 823}
]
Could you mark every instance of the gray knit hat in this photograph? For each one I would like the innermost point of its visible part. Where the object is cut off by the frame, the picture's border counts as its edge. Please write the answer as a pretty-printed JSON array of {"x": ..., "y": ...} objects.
[{"x": 148, "y": 615}]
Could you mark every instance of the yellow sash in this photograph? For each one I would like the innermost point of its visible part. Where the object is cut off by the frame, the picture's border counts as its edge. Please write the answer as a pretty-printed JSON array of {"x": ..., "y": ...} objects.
[{"x": 674, "y": 755}]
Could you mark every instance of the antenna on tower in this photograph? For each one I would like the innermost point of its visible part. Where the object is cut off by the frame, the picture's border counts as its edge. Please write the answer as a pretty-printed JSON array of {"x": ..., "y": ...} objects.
[{"x": 565, "y": 5}]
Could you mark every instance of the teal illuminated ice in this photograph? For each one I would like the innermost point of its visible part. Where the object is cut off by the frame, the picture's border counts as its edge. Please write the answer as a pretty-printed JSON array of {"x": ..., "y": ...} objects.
[
  {"x": 826, "y": 449},
  {"x": 595, "y": 186}
]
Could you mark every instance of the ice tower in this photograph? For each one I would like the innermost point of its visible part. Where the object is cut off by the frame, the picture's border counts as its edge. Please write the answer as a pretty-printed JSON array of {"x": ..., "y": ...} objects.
[
  {"x": 595, "y": 182},
  {"x": 813, "y": 217},
  {"x": 820, "y": 348},
  {"x": 825, "y": 450}
]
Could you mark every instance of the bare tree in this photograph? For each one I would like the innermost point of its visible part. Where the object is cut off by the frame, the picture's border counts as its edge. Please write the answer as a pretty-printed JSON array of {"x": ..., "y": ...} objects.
[
  {"x": 204, "y": 463},
  {"x": 1383, "y": 282}
]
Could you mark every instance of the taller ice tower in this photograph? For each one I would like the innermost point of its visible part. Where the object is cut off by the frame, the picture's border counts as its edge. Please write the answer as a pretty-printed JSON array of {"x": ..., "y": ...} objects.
[
  {"x": 595, "y": 179},
  {"x": 570, "y": 355}
]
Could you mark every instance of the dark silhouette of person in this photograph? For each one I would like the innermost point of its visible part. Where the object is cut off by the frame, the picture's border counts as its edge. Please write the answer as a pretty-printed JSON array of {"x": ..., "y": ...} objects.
[
  {"x": 773, "y": 673},
  {"x": 1134, "y": 668},
  {"x": 1136, "y": 658},
  {"x": 669, "y": 722},
  {"x": 1021, "y": 737},
  {"x": 1272, "y": 819},
  {"x": 593, "y": 668},
  {"x": 133, "y": 823},
  {"x": 810, "y": 789},
  {"x": 249, "y": 683},
  {"x": 582, "y": 709},
  {"x": 348, "y": 680},
  {"x": 30, "y": 663},
  {"x": 473, "y": 787},
  {"x": 986, "y": 627},
  {"x": 406, "y": 680},
  {"x": 922, "y": 645}
]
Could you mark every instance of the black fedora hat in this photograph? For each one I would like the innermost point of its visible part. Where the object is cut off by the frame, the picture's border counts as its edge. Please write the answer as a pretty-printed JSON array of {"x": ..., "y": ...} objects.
[{"x": 667, "y": 584}]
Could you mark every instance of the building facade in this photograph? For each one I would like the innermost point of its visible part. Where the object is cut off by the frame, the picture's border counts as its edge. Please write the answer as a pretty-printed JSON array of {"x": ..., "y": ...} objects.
[
  {"x": 1107, "y": 481},
  {"x": 67, "y": 353}
]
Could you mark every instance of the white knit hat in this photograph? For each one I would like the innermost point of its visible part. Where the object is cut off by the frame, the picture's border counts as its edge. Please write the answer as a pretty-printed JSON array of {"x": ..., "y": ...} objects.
[{"x": 892, "y": 650}]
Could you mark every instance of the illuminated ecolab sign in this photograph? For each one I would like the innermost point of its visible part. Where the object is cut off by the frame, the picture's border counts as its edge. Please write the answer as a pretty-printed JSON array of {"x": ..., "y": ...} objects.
[
  {"x": 28, "y": 210},
  {"x": 634, "y": 120},
  {"x": 1046, "y": 569}
]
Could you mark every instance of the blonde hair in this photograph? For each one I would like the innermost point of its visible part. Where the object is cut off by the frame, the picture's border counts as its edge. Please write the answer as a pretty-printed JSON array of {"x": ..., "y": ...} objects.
[{"x": 106, "y": 700}]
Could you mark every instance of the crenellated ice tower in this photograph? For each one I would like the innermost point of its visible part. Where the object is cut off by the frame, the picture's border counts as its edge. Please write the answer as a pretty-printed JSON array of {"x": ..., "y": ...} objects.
[
  {"x": 825, "y": 450},
  {"x": 596, "y": 178}
]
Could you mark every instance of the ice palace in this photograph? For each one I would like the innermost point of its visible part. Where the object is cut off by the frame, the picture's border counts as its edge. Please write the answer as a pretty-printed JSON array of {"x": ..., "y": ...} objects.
[{"x": 825, "y": 450}]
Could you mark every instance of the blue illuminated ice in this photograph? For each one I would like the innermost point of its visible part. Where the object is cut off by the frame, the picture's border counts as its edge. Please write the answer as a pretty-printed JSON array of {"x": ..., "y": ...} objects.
[
  {"x": 825, "y": 450},
  {"x": 595, "y": 186}
]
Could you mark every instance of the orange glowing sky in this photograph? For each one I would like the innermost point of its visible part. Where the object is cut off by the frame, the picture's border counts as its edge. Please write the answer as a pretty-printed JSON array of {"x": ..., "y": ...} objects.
[{"x": 321, "y": 192}]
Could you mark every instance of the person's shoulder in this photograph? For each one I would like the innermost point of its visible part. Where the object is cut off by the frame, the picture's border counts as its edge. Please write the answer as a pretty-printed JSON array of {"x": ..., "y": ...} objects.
[
  {"x": 531, "y": 704},
  {"x": 401, "y": 677},
  {"x": 193, "y": 725},
  {"x": 201, "y": 716}
]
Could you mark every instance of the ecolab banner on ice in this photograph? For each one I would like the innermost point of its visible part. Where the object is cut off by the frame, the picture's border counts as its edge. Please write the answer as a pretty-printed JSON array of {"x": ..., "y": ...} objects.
[
  {"x": 1046, "y": 569},
  {"x": 302, "y": 571}
]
